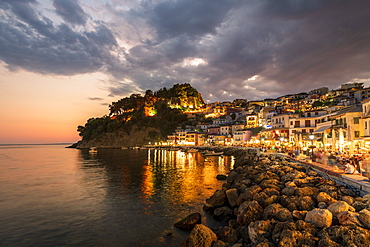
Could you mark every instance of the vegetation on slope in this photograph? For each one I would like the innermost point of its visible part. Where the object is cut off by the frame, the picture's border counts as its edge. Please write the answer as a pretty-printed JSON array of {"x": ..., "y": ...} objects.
[{"x": 161, "y": 111}]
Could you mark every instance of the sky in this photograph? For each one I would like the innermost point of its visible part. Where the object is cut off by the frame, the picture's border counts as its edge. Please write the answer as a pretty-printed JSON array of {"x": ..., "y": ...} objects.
[{"x": 64, "y": 61}]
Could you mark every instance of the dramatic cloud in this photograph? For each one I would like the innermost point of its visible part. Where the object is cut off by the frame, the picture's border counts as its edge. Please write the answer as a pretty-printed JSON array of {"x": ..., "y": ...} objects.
[
  {"x": 226, "y": 49},
  {"x": 70, "y": 11}
]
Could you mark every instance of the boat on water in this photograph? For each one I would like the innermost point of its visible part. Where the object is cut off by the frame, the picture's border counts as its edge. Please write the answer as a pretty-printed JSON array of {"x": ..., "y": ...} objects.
[
  {"x": 93, "y": 150},
  {"x": 192, "y": 150},
  {"x": 213, "y": 153}
]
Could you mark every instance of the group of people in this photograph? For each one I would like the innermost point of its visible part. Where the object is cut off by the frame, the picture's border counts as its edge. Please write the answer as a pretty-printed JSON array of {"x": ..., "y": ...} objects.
[{"x": 351, "y": 163}]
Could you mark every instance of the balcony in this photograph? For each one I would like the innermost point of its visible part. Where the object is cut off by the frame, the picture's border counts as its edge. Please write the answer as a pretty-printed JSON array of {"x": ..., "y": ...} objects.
[{"x": 343, "y": 125}]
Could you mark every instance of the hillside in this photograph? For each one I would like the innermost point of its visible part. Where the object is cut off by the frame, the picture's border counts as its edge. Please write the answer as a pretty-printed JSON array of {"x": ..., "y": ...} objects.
[{"x": 138, "y": 120}]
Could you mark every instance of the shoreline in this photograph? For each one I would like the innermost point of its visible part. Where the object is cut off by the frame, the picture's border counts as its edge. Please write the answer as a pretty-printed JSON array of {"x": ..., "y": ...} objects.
[{"x": 274, "y": 200}]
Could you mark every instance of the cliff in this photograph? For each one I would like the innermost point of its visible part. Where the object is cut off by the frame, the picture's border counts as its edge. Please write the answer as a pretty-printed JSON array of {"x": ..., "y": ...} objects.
[{"x": 119, "y": 139}]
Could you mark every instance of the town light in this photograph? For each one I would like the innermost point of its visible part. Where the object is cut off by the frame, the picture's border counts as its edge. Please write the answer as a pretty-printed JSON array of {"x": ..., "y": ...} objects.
[{"x": 311, "y": 138}]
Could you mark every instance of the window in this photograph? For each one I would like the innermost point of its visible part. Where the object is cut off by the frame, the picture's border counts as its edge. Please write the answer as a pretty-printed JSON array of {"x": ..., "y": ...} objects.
[
  {"x": 307, "y": 123},
  {"x": 304, "y": 131},
  {"x": 297, "y": 124},
  {"x": 357, "y": 134},
  {"x": 311, "y": 130},
  {"x": 365, "y": 125},
  {"x": 291, "y": 122},
  {"x": 308, "y": 114},
  {"x": 316, "y": 113},
  {"x": 356, "y": 120}
]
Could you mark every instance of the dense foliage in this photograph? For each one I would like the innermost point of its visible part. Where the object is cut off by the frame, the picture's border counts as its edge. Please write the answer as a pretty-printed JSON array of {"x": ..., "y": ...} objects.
[{"x": 150, "y": 110}]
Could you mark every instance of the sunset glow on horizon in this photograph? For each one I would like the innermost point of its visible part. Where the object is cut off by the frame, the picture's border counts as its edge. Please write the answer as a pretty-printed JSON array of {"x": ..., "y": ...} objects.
[{"x": 64, "y": 61}]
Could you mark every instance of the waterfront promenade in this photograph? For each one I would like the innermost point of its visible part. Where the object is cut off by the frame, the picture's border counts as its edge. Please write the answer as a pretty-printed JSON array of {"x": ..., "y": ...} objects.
[{"x": 337, "y": 173}]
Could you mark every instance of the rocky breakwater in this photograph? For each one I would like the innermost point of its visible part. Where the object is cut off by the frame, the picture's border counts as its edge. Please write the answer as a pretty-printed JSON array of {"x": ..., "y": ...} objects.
[{"x": 270, "y": 201}]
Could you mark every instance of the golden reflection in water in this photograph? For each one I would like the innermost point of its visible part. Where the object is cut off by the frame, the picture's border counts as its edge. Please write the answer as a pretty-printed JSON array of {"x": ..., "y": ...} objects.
[
  {"x": 147, "y": 187},
  {"x": 185, "y": 176}
]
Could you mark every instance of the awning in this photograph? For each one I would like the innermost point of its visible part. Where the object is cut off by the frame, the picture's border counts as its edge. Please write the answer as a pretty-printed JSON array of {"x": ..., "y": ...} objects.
[{"x": 321, "y": 129}]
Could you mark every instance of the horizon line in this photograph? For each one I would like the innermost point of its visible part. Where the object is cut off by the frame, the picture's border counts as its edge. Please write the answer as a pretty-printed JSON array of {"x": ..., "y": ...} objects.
[{"x": 55, "y": 143}]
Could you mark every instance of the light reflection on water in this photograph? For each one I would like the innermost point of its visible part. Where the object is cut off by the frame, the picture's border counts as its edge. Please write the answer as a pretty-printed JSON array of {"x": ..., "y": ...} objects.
[{"x": 52, "y": 196}]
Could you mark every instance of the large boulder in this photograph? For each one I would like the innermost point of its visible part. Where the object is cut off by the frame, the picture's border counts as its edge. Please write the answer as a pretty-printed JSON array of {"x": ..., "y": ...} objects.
[
  {"x": 232, "y": 176},
  {"x": 340, "y": 206},
  {"x": 227, "y": 234},
  {"x": 277, "y": 212},
  {"x": 200, "y": 236},
  {"x": 319, "y": 217},
  {"x": 261, "y": 198},
  {"x": 251, "y": 191},
  {"x": 306, "y": 203},
  {"x": 324, "y": 197},
  {"x": 346, "y": 235},
  {"x": 291, "y": 238},
  {"x": 293, "y": 175},
  {"x": 218, "y": 199},
  {"x": 348, "y": 199},
  {"x": 189, "y": 221},
  {"x": 289, "y": 190},
  {"x": 222, "y": 213},
  {"x": 358, "y": 206},
  {"x": 259, "y": 231},
  {"x": 232, "y": 196},
  {"x": 299, "y": 215},
  {"x": 306, "y": 191},
  {"x": 271, "y": 192},
  {"x": 248, "y": 212},
  {"x": 364, "y": 217},
  {"x": 349, "y": 218}
]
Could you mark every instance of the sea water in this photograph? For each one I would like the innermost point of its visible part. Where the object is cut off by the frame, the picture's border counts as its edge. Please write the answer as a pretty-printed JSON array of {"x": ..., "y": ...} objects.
[{"x": 54, "y": 196}]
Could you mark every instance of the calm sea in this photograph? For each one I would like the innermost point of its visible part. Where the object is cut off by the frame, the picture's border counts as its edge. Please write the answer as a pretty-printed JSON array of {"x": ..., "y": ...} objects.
[{"x": 54, "y": 196}]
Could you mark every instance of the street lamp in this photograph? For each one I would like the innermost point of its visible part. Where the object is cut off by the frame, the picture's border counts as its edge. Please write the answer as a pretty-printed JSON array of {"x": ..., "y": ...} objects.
[{"x": 311, "y": 138}]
